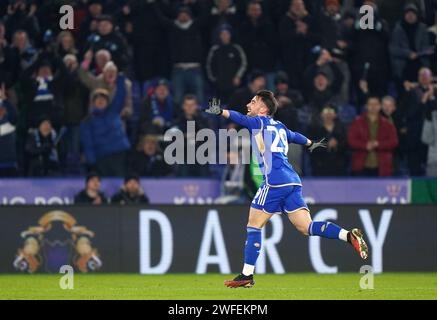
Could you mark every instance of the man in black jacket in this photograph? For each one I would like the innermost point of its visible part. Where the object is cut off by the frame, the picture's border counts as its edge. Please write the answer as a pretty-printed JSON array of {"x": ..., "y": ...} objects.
[
  {"x": 226, "y": 65},
  {"x": 91, "y": 194},
  {"x": 131, "y": 192},
  {"x": 258, "y": 38},
  {"x": 185, "y": 40},
  {"x": 108, "y": 38}
]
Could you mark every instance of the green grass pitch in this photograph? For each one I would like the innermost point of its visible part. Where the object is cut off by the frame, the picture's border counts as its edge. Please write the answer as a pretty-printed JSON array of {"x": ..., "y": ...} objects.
[{"x": 210, "y": 286}]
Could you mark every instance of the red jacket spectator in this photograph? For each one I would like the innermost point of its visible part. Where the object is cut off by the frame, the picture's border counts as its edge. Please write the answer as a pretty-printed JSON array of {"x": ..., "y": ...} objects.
[{"x": 358, "y": 138}]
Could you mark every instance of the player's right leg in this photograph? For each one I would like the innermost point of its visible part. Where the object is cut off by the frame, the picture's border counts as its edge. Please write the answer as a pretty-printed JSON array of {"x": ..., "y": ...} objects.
[{"x": 257, "y": 220}]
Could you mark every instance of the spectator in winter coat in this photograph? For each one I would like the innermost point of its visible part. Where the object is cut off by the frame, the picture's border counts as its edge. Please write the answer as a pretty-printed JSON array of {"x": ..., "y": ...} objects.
[
  {"x": 185, "y": 38},
  {"x": 21, "y": 16},
  {"x": 108, "y": 38},
  {"x": 226, "y": 65},
  {"x": 148, "y": 160},
  {"x": 410, "y": 46},
  {"x": 297, "y": 31},
  {"x": 65, "y": 44},
  {"x": 331, "y": 161},
  {"x": 429, "y": 136},
  {"x": 89, "y": 24},
  {"x": 223, "y": 12},
  {"x": 370, "y": 54},
  {"x": 8, "y": 154},
  {"x": 372, "y": 139},
  {"x": 257, "y": 36},
  {"x": 107, "y": 80},
  {"x": 41, "y": 93},
  {"x": 289, "y": 101},
  {"x": 91, "y": 194},
  {"x": 103, "y": 137},
  {"x": 413, "y": 114},
  {"x": 74, "y": 98},
  {"x": 191, "y": 114},
  {"x": 157, "y": 113},
  {"x": 131, "y": 192},
  {"x": 41, "y": 150}
]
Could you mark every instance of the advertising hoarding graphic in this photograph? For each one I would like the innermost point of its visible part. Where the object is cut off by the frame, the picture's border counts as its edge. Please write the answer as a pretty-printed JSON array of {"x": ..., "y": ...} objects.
[{"x": 205, "y": 239}]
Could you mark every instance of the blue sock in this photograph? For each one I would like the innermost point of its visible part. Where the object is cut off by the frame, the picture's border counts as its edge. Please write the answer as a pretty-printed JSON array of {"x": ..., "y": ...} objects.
[
  {"x": 327, "y": 230},
  {"x": 251, "y": 250}
]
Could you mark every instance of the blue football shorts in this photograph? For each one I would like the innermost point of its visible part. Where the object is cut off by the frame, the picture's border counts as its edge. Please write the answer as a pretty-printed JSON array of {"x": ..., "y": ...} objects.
[{"x": 277, "y": 200}]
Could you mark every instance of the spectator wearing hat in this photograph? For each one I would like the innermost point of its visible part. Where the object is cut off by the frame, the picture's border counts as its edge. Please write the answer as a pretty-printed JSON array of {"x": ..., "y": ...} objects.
[
  {"x": 298, "y": 34},
  {"x": 332, "y": 160},
  {"x": 103, "y": 138},
  {"x": 157, "y": 113},
  {"x": 258, "y": 37},
  {"x": 327, "y": 65},
  {"x": 223, "y": 12},
  {"x": 238, "y": 101},
  {"x": 107, "y": 80},
  {"x": 320, "y": 93},
  {"x": 8, "y": 119},
  {"x": 373, "y": 140},
  {"x": 226, "y": 64},
  {"x": 109, "y": 39},
  {"x": 92, "y": 193},
  {"x": 147, "y": 160},
  {"x": 41, "y": 149},
  {"x": 130, "y": 192},
  {"x": 186, "y": 47},
  {"x": 410, "y": 46}
]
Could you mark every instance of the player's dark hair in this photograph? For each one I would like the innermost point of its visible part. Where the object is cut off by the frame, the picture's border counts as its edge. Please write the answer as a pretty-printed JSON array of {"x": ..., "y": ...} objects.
[{"x": 268, "y": 97}]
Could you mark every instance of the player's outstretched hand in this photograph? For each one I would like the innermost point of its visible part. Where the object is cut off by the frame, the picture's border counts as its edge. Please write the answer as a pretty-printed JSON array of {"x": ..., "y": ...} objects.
[
  {"x": 214, "y": 107},
  {"x": 319, "y": 144}
]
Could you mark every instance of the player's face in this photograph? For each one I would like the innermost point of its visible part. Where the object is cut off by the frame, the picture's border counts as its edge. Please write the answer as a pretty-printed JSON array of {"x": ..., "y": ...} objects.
[{"x": 256, "y": 107}]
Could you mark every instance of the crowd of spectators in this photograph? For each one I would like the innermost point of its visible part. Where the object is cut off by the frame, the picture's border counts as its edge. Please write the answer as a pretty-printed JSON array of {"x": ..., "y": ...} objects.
[{"x": 100, "y": 97}]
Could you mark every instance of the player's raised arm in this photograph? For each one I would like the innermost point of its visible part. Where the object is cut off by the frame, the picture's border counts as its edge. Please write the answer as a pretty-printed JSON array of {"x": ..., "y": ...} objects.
[
  {"x": 298, "y": 138},
  {"x": 245, "y": 121}
]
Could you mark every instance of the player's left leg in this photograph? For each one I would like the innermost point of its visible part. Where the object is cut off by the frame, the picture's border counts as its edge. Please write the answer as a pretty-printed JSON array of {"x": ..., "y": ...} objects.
[
  {"x": 299, "y": 215},
  {"x": 301, "y": 219},
  {"x": 257, "y": 220}
]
